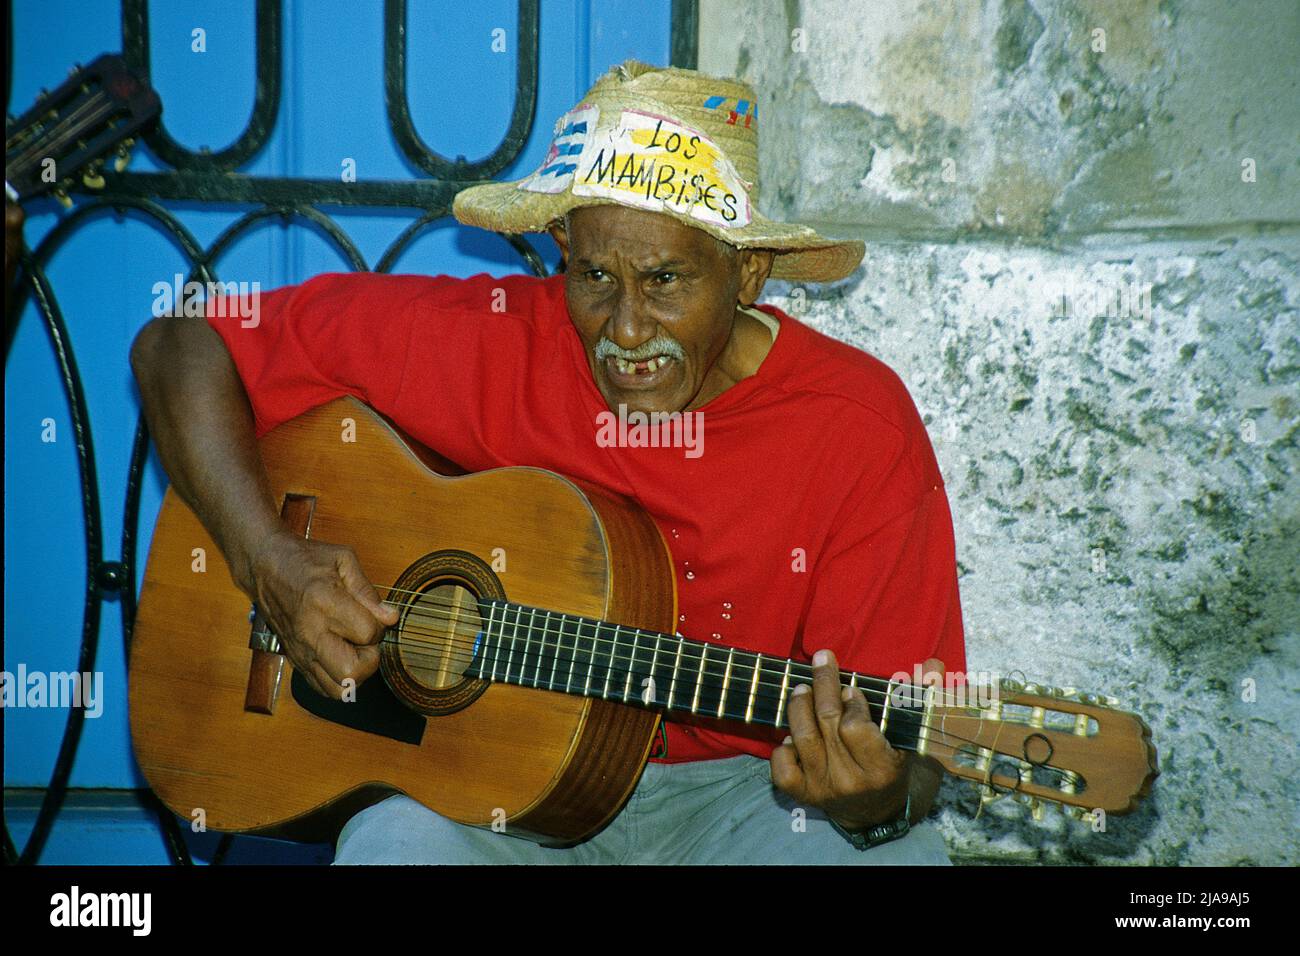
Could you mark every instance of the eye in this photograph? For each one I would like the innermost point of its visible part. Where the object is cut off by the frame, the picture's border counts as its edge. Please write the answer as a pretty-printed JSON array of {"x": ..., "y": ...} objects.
[
  {"x": 666, "y": 278},
  {"x": 595, "y": 275}
]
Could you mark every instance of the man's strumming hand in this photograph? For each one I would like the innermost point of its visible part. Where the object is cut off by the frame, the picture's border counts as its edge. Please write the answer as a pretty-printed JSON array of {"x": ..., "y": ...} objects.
[
  {"x": 837, "y": 759},
  {"x": 318, "y": 602}
]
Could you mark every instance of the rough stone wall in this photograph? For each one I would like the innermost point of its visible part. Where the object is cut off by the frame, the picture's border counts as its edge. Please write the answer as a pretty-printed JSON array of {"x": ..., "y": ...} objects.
[{"x": 1084, "y": 261}]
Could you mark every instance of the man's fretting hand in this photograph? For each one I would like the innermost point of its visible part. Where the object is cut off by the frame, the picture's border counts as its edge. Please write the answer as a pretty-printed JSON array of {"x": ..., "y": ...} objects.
[
  {"x": 317, "y": 601},
  {"x": 836, "y": 758}
]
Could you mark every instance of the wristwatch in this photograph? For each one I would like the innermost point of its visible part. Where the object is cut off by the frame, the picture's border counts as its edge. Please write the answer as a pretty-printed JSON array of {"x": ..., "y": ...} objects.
[{"x": 880, "y": 833}]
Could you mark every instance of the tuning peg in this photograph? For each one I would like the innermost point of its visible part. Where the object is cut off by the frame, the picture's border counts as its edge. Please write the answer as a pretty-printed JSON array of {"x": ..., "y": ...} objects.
[
  {"x": 62, "y": 196},
  {"x": 123, "y": 155},
  {"x": 93, "y": 176}
]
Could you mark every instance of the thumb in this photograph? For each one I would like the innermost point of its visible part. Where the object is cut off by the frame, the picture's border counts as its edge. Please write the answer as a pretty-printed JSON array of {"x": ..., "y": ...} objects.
[{"x": 361, "y": 589}]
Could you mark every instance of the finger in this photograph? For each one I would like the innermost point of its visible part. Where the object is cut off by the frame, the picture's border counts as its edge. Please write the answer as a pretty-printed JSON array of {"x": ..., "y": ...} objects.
[
  {"x": 321, "y": 681},
  {"x": 367, "y": 662},
  {"x": 340, "y": 659},
  {"x": 828, "y": 702},
  {"x": 787, "y": 775},
  {"x": 362, "y": 591},
  {"x": 805, "y": 732},
  {"x": 932, "y": 672},
  {"x": 861, "y": 737},
  {"x": 348, "y": 617}
]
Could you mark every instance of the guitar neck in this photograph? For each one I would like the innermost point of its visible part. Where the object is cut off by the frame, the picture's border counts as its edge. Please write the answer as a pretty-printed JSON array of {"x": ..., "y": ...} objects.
[{"x": 533, "y": 647}]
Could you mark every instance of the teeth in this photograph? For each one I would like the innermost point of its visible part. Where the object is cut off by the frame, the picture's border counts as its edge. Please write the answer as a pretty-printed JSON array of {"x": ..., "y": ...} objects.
[{"x": 652, "y": 365}]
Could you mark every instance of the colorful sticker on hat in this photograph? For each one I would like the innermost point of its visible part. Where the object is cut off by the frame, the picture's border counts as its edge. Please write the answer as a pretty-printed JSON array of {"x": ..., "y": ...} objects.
[
  {"x": 571, "y": 134},
  {"x": 656, "y": 163},
  {"x": 742, "y": 108}
]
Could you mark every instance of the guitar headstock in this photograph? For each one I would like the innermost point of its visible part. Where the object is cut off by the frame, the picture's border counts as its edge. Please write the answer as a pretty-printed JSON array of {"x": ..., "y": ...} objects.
[
  {"x": 73, "y": 128},
  {"x": 1044, "y": 744}
]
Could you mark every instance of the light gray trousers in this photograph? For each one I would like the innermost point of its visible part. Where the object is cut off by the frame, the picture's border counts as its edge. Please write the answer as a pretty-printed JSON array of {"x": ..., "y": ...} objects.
[{"x": 710, "y": 811}]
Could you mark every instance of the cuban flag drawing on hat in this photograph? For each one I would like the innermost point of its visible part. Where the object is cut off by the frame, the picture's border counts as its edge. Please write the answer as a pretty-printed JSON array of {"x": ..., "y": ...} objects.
[{"x": 571, "y": 133}]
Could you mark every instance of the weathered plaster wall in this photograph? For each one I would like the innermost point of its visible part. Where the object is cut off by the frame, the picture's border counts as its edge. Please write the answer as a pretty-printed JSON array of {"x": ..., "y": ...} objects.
[{"x": 1098, "y": 315}]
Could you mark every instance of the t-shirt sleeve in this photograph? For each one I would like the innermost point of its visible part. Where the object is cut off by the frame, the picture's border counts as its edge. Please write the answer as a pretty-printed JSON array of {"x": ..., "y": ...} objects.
[
  {"x": 334, "y": 335},
  {"x": 884, "y": 593}
]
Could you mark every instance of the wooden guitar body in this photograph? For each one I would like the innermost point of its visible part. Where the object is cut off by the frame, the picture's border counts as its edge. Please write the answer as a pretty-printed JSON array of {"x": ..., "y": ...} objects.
[{"x": 223, "y": 729}]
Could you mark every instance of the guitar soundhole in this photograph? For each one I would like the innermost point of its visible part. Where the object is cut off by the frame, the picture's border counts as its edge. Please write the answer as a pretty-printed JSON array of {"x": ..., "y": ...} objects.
[
  {"x": 438, "y": 634},
  {"x": 429, "y": 655}
]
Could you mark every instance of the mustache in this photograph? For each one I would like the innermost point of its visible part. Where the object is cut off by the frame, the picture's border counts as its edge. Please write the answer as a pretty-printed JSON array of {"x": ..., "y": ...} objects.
[{"x": 659, "y": 345}]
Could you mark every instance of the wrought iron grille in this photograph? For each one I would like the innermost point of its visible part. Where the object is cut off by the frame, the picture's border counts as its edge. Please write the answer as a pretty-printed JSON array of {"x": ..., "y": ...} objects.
[{"x": 213, "y": 177}]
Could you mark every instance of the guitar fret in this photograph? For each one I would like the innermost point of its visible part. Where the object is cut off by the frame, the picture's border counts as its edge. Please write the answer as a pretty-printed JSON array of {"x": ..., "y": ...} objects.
[
  {"x": 573, "y": 655},
  {"x": 780, "y": 701},
  {"x": 650, "y": 686},
  {"x": 528, "y": 639},
  {"x": 496, "y": 655},
  {"x": 487, "y": 638},
  {"x": 514, "y": 633},
  {"x": 753, "y": 688},
  {"x": 672, "y": 688},
  {"x": 586, "y": 688},
  {"x": 609, "y": 668},
  {"x": 884, "y": 710},
  {"x": 631, "y": 665},
  {"x": 927, "y": 714},
  {"x": 699, "y": 679},
  {"x": 726, "y": 680},
  {"x": 555, "y": 655}
]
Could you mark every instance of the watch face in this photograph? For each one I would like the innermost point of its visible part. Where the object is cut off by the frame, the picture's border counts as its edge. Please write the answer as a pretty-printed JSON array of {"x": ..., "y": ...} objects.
[{"x": 875, "y": 836}]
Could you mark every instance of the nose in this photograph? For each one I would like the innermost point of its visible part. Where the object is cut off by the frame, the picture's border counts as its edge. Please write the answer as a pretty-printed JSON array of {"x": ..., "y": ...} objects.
[{"x": 630, "y": 322}]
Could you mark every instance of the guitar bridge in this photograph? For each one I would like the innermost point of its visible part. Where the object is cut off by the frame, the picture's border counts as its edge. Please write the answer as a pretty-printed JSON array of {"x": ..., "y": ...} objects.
[{"x": 266, "y": 669}]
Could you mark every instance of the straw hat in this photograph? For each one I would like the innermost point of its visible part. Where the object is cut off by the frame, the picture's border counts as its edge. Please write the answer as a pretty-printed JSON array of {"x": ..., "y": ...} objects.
[{"x": 671, "y": 141}]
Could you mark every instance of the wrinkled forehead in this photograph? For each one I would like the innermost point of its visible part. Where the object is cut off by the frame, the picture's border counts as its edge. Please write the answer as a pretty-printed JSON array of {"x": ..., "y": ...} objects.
[{"x": 637, "y": 233}]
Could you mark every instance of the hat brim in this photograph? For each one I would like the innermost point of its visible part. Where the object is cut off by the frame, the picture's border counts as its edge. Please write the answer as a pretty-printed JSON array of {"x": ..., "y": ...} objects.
[{"x": 801, "y": 254}]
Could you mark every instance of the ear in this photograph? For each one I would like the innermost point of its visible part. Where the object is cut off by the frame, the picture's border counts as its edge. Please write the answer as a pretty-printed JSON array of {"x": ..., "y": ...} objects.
[
  {"x": 556, "y": 229},
  {"x": 755, "y": 266}
]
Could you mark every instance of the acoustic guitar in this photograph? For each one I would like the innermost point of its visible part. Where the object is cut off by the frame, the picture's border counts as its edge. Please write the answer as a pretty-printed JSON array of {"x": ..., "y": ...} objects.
[{"x": 526, "y": 678}]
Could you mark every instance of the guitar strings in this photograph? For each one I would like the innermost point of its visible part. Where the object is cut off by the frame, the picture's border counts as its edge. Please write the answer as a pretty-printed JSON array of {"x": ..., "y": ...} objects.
[
  {"x": 466, "y": 636},
  {"x": 799, "y": 672},
  {"x": 38, "y": 145},
  {"x": 950, "y": 739},
  {"x": 412, "y": 650},
  {"x": 744, "y": 657},
  {"x": 430, "y": 600}
]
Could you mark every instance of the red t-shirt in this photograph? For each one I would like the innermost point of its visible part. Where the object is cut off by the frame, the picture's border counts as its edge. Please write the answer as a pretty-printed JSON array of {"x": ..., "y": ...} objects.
[{"x": 815, "y": 516}]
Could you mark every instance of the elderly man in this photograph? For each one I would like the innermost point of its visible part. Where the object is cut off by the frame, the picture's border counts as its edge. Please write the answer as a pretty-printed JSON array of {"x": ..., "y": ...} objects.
[{"x": 809, "y": 521}]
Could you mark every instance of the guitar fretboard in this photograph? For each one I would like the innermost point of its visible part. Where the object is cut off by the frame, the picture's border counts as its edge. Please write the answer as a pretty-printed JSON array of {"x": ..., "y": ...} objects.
[{"x": 533, "y": 647}]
